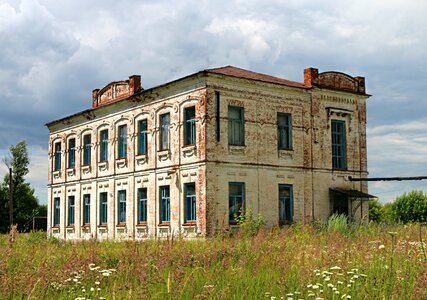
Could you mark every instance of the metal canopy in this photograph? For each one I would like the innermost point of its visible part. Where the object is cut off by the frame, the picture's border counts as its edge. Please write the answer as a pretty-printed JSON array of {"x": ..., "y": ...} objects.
[{"x": 353, "y": 193}]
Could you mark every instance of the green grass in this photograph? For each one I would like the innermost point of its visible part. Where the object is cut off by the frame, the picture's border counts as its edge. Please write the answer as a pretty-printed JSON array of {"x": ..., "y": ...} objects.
[{"x": 299, "y": 262}]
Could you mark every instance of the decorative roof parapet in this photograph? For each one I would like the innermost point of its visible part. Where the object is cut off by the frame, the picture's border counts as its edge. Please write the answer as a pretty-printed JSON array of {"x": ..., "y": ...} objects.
[
  {"x": 116, "y": 90},
  {"x": 334, "y": 80}
]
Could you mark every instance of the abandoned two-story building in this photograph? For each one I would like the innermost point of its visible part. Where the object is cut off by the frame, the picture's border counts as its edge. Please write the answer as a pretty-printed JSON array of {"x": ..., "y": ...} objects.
[{"x": 188, "y": 156}]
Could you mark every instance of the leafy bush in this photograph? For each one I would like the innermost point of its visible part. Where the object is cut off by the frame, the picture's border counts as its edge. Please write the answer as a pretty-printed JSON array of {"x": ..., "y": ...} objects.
[
  {"x": 339, "y": 223},
  {"x": 248, "y": 225},
  {"x": 410, "y": 207},
  {"x": 376, "y": 212}
]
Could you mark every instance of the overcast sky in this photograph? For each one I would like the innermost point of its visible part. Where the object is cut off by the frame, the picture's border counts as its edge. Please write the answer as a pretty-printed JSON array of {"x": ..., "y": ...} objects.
[{"x": 54, "y": 53}]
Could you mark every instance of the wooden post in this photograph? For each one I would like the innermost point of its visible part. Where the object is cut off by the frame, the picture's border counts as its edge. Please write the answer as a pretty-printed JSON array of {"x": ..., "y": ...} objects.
[{"x": 10, "y": 198}]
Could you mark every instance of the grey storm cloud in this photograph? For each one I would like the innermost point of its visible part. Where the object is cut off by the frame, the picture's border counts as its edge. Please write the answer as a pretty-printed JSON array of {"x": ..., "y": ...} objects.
[{"x": 54, "y": 53}]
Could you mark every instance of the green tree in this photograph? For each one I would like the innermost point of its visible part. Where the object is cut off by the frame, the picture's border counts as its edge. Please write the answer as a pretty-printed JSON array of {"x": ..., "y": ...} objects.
[
  {"x": 376, "y": 213},
  {"x": 25, "y": 204},
  {"x": 410, "y": 207}
]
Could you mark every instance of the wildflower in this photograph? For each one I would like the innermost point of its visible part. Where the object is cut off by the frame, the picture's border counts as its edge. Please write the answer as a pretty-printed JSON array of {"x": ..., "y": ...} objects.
[
  {"x": 340, "y": 282},
  {"x": 330, "y": 285},
  {"x": 98, "y": 289},
  {"x": 83, "y": 290},
  {"x": 327, "y": 278},
  {"x": 335, "y": 268},
  {"x": 392, "y": 233},
  {"x": 97, "y": 282},
  {"x": 315, "y": 287},
  {"x": 337, "y": 292},
  {"x": 92, "y": 289},
  {"x": 309, "y": 286},
  {"x": 272, "y": 298},
  {"x": 75, "y": 280},
  {"x": 381, "y": 247},
  {"x": 310, "y": 295},
  {"x": 356, "y": 276},
  {"x": 106, "y": 274},
  {"x": 350, "y": 272},
  {"x": 355, "y": 270}
]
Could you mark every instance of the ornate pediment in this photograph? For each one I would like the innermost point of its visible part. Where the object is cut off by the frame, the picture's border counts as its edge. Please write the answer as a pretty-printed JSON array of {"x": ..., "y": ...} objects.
[
  {"x": 116, "y": 90},
  {"x": 334, "y": 80}
]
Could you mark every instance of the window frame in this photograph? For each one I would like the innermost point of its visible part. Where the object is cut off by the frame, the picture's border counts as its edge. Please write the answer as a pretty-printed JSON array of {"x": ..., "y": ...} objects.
[
  {"x": 71, "y": 153},
  {"x": 56, "y": 212},
  {"x": 103, "y": 208},
  {"x": 142, "y": 199},
  {"x": 283, "y": 205},
  {"x": 103, "y": 141},
  {"x": 142, "y": 137},
  {"x": 122, "y": 141},
  {"x": 232, "y": 201},
  {"x": 86, "y": 209},
  {"x": 190, "y": 125},
  {"x": 57, "y": 154},
  {"x": 121, "y": 207},
  {"x": 71, "y": 220},
  {"x": 284, "y": 131},
  {"x": 339, "y": 148},
  {"x": 164, "y": 135},
  {"x": 236, "y": 126},
  {"x": 87, "y": 149},
  {"x": 190, "y": 203},
  {"x": 164, "y": 204}
]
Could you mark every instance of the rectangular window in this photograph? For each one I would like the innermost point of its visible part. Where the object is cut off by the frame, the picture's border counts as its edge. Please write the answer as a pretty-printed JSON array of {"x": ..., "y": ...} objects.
[
  {"x": 190, "y": 202},
  {"x": 121, "y": 211},
  {"x": 57, "y": 156},
  {"x": 71, "y": 153},
  {"x": 142, "y": 137},
  {"x": 236, "y": 204},
  {"x": 142, "y": 205},
  {"x": 86, "y": 209},
  {"x": 164, "y": 204},
  {"x": 284, "y": 131},
  {"x": 339, "y": 157},
  {"x": 164, "y": 131},
  {"x": 71, "y": 210},
  {"x": 285, "y": 204},
  {"x": 103, "y": 154},
  {"x": 122, "y": 141},
  {"x": 56, "y": 211},
  {"x": 87, "y": 140},
  {"x": 189, "y": 126},
  {"x": 236, "y": 125},
  {"x": 103, "y": 203}
]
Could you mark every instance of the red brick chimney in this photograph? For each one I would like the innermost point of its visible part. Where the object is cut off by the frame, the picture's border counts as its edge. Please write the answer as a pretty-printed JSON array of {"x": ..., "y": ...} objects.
[
  {"x": 134, "y": 84},
  {"x": 311, "y": 76}
]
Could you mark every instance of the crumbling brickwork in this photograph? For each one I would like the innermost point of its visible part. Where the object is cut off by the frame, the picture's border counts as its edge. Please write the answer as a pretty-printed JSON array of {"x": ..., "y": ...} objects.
[{"x": 304, "y": 168}]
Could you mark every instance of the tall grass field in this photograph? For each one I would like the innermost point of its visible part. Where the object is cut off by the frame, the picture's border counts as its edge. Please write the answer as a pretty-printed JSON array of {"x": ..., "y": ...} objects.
[{"x": 296, "y": 262}]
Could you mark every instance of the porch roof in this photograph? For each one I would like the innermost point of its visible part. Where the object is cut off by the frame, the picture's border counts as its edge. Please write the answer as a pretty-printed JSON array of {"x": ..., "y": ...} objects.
[{"x": 353, "y": 193}]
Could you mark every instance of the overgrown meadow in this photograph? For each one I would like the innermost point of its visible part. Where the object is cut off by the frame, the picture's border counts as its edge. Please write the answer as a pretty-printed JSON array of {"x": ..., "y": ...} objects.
[{"x": 297, "y": 262}]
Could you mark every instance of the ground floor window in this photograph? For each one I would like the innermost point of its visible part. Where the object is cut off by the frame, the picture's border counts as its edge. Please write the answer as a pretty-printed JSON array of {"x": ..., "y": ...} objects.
[
  {"x": 142, "y": 205},
  {"x": 103, "y": 206},
  {"x": 56, "y": 211},
  {"x": 190, "y": 202},
  {"x": 71, "y": 210},
  {"x": 285, "y": 204},
  {"x": 86, "y": 209},
  {"x": 121, "y": 211},
  {"x": 236, "y": 200},
  {"x": 164, "y": 204}
]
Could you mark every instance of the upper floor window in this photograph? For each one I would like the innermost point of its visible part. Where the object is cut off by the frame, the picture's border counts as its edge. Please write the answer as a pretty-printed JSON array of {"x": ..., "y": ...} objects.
[
  {"x": 142, "y": 137},
  {"x": 57, "y": 156},
  {"x": 236, "y": 125},
  {"x": 142, "y": 205},
  {"x": 165, "y": 212},
  {"x": 103, "y": 140},
  {"x": 284, "y": 131},
  {"x": 87, "y": 140},
  {"x": 56, "y": 211},
  {"x": 121, "y": 211},
  {"x": 71, "y": 210},
  {"x": 86, "y": 209},
  {"x": 71, "y": 153},
  {"x": 190, "y": 202},
  {"x": 236, "y": 200},
  {"x": 103, "y": 210},
  {"x": 122, "y": 137},
  {"x": 164, "y": 131},
  {"x": 189, "y": 126},
  {"x": 285, "y": 204},
  {"x": 339, "y": 155}
]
